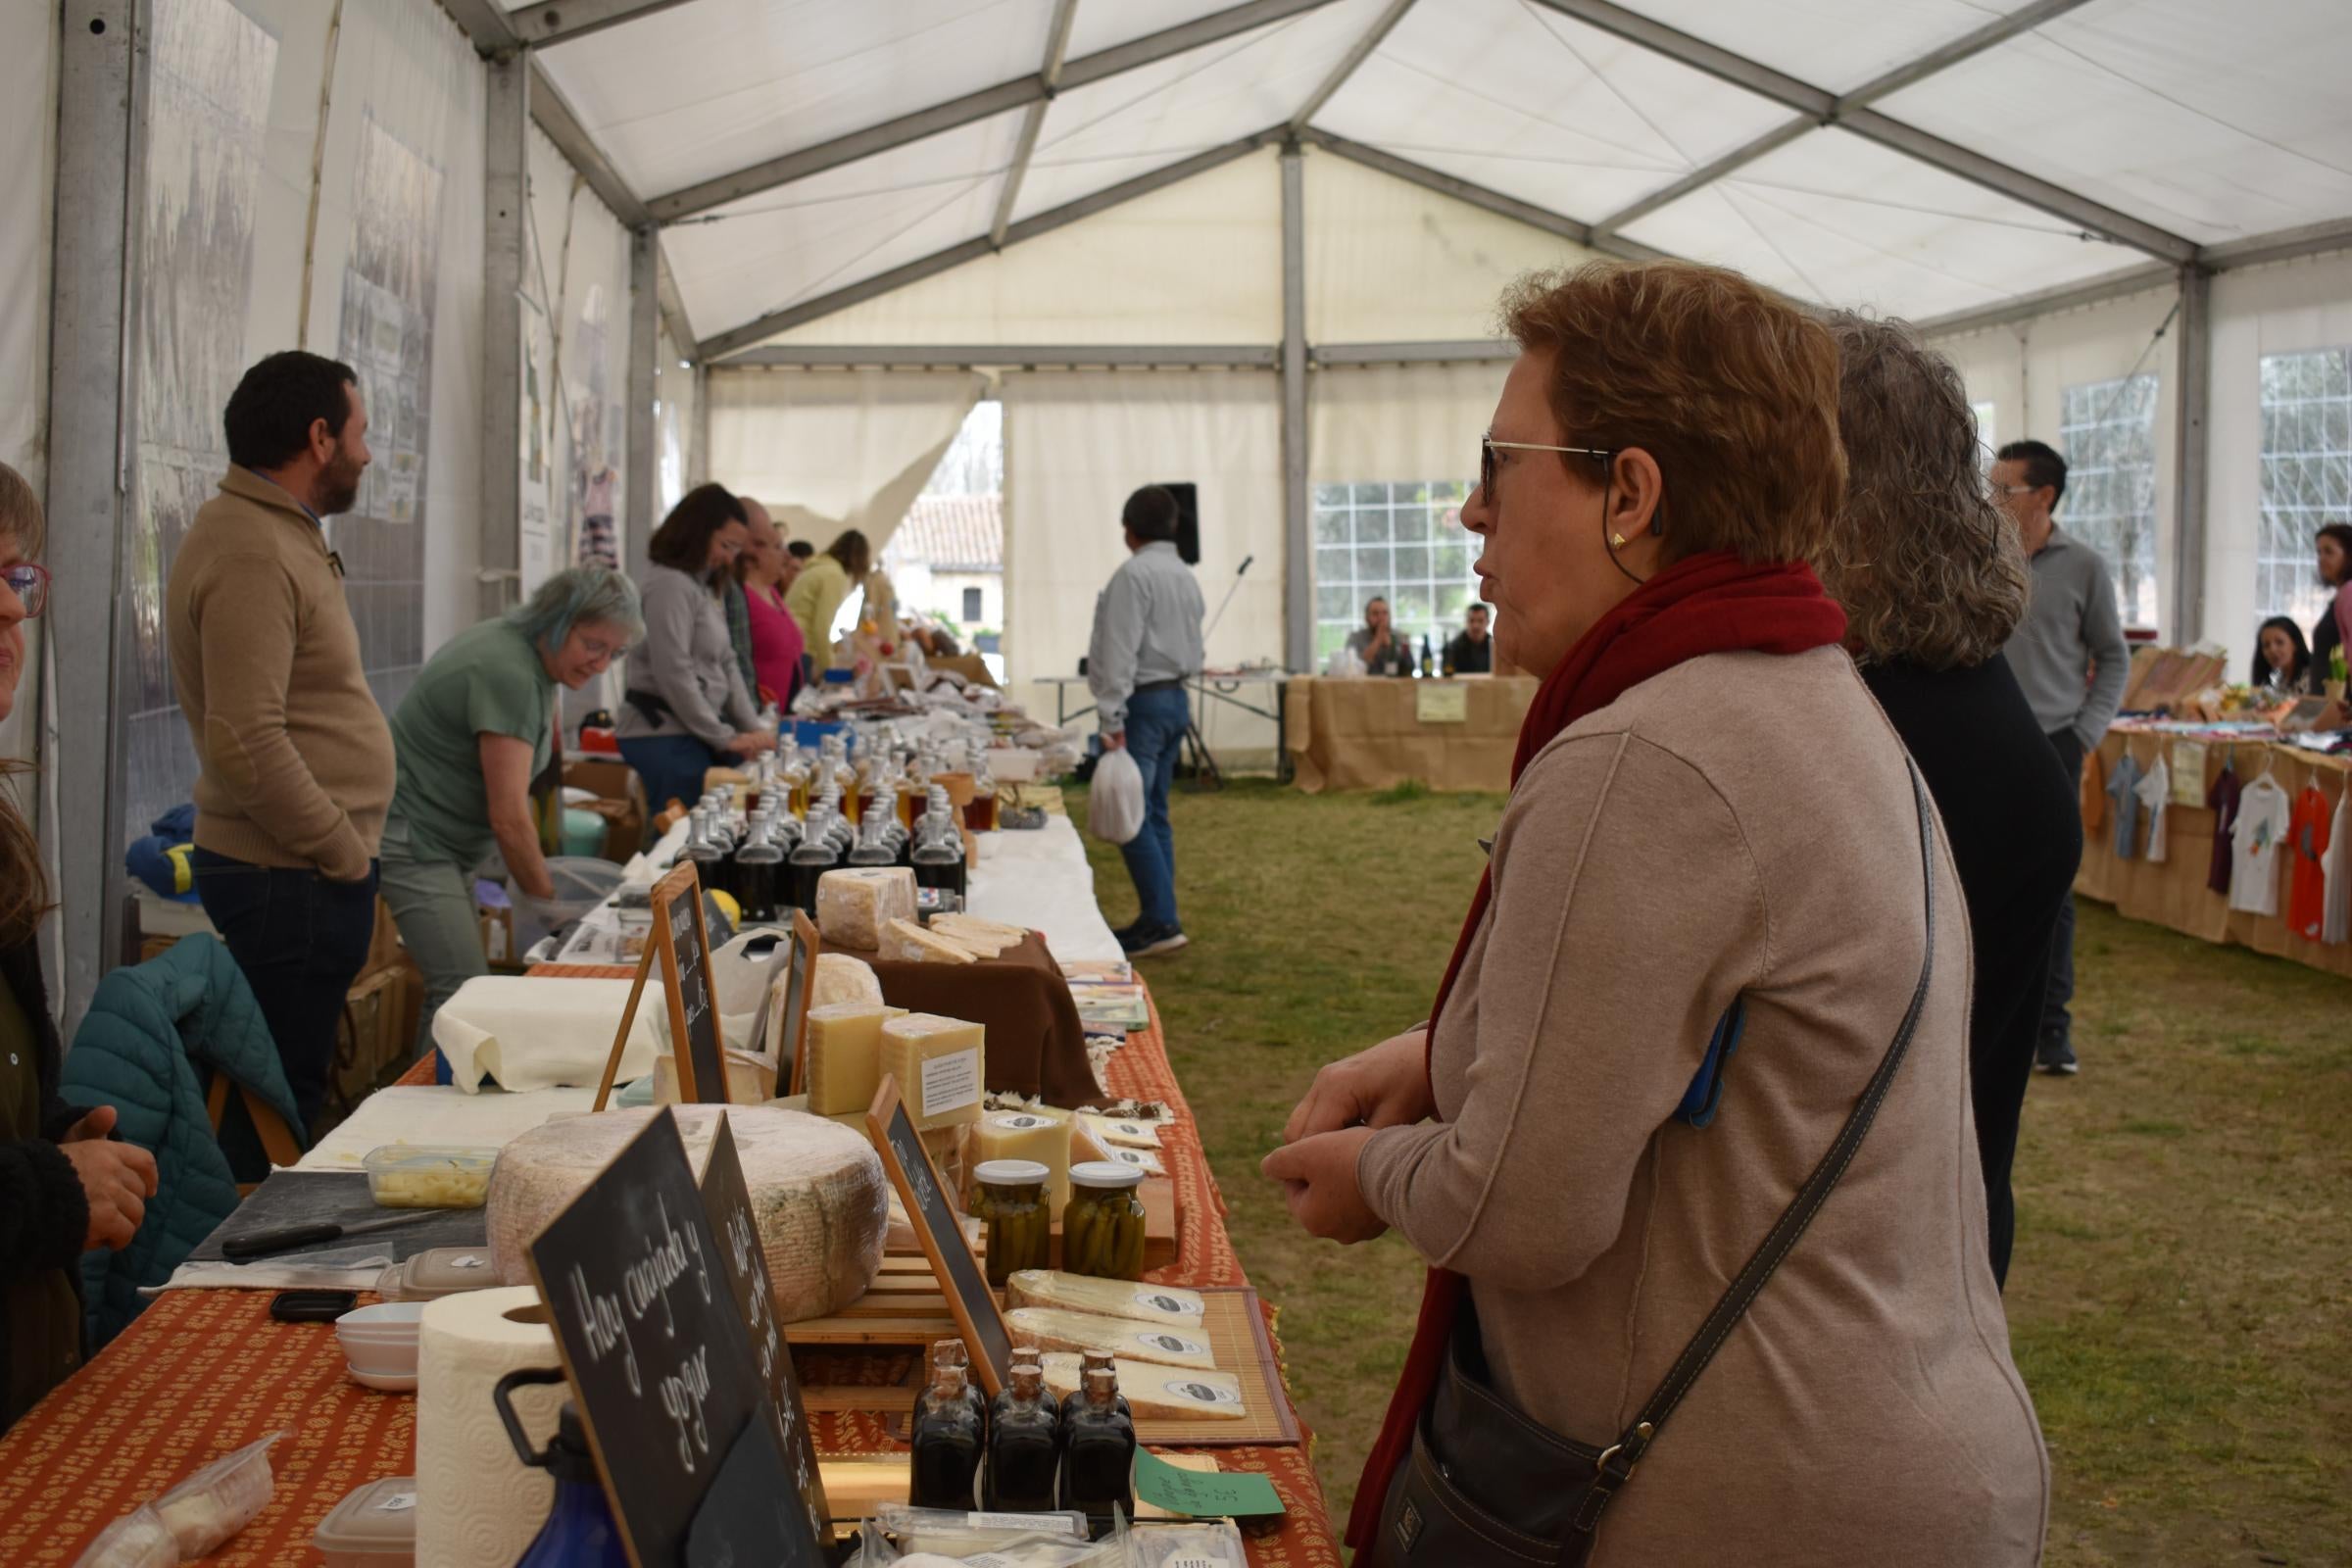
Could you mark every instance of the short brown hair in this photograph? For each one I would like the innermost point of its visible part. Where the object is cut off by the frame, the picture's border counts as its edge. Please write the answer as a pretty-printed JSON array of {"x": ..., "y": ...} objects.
[
  {"x": 24, "y": 882},
  {"x": 1731, "y": 387},
  {"x": 1928, "y": 569},
  {"x": 683, "y": 541}
]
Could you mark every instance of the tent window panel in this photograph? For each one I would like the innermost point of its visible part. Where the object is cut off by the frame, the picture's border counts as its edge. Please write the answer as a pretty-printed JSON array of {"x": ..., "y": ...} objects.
[
  {"x": 2306, "y": 476},
  {"x": 2108, "y": 430},
  {"x": 1402, "y": 541}
]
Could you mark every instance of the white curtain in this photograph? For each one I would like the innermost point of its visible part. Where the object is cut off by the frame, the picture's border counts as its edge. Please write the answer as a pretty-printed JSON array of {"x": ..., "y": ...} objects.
[
  {"x": 29, "y": 113},
  {"x": 1378, "y": 422},
  {"x": 1076, "y": 444},
  {"x": 828, "y": 450}
]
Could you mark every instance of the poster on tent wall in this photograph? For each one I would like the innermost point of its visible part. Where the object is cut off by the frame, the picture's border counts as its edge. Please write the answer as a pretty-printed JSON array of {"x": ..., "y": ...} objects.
[
  {"x": 208, "y": 113},
  {"x": 596, "y": 436},
  {"x": 537, "y": 555},
  {"x": 388, "y": 293}
]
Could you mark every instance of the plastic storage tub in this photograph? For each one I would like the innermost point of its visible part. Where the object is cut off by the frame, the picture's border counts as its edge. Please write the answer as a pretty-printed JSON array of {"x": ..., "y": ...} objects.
[
  {"x": 441, "y": 1271},
  {"x": 428, "y": 1175},
  {"x": 375, "y": 1526}
]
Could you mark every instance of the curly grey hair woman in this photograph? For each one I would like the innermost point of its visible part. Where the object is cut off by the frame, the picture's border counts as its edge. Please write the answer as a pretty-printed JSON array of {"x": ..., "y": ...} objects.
[{"x": 1934, "y": 581}]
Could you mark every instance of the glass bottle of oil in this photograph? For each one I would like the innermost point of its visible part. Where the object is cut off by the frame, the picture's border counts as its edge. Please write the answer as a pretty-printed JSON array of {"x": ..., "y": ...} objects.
[
  {"x": 1024, "y": 1445},
  {"x": 1098, "y": 1465},
  {"x": 946, "y": 1444}
]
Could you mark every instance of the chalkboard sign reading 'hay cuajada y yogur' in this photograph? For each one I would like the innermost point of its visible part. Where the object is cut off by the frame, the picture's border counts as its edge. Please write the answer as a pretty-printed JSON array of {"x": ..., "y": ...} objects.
[{"x": 654, "y": 1342}]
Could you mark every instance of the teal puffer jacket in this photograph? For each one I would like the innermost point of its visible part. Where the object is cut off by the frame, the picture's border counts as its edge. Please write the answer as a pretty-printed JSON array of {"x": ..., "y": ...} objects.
[{"x": 154, "y": 1036}]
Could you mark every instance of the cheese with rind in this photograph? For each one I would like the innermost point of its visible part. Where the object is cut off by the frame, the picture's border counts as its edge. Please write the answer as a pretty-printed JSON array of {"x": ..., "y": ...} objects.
[
  {"x": 1052, "y": 1328},
  {"x": 1168, "y": 1392},
  {"x": 941, "y": 1065},
  {"x": 819, "y": 1196},
  {"x": 842, "y": 978},
  {"x": 904, "y": 941},
  {"x": 1024, "y": 1135},
  {"x": 852, "y": 905},
  {"x": 1168, "y": 1305}
]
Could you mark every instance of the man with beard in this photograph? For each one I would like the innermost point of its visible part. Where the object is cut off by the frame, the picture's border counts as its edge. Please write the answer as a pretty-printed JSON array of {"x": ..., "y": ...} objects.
[{"x": 296, "y": 761}]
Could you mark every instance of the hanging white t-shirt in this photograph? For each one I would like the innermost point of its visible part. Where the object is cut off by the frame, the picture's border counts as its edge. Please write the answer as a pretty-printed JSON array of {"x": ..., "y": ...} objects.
[
  {"x": 2263, "y": 813},
  {"x": 2155, "y": 791},
  {"x": 2335, "y": 924}
]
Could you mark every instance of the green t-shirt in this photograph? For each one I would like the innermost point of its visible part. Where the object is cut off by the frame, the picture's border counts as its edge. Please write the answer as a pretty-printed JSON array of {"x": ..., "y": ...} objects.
[{"x": 486, "y": 680}]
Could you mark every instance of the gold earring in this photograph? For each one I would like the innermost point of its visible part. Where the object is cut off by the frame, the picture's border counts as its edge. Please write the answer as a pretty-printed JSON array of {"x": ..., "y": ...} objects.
[{"x": 1616, "y": 541}]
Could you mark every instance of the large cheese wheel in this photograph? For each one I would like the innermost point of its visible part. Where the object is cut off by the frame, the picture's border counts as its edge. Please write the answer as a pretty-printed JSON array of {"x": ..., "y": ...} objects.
[{"x": 817, "y": 1192}]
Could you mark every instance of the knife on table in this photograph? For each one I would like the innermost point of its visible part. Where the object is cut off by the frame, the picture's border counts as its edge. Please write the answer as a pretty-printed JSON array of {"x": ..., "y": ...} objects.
[{"x": 284, "y": 1238}]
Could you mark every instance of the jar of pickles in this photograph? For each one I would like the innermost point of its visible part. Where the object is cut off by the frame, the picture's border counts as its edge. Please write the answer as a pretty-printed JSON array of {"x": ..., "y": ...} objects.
[
  {"x": 1102, "y": 1229},
  {"x": 1012, "y": 1199}
]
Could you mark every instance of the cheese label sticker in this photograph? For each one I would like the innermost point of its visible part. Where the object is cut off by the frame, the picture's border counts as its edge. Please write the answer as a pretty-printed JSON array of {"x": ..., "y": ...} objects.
[
  {"x": 950, "y": 1081},
  {"x": 1205, "y": 1393},
  {"x": 1172, "y": 1343}
]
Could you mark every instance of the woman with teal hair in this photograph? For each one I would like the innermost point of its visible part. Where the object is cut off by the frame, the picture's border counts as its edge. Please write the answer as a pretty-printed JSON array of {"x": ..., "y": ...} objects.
[{"x": 473, "y": 731}]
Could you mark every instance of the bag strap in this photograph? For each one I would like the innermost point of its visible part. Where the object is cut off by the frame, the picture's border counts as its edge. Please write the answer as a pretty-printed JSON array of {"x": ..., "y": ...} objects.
[{"x": 1616, "y": 1462}]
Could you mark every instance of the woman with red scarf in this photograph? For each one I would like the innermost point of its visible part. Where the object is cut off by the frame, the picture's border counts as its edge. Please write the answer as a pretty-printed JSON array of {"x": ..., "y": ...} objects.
[{"x": 1708, "y": 1012}]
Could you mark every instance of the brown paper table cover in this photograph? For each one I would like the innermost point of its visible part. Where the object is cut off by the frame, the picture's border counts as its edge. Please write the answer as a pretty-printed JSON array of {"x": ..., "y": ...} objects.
[
  {"x": 2172, "y": 892},
  {"x": 1365, "y": 733}
]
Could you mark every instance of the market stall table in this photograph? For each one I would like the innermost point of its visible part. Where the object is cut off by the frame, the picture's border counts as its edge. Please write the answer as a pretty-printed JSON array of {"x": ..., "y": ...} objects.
[
  {"x": 1372, "y": 732},
  {"x": 202, "y": 1372},
  {"x": 2173, "y": 892}
]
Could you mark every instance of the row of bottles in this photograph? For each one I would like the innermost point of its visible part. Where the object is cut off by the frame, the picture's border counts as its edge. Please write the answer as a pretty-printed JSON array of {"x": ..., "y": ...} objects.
[
  {"x": 891, "y": 770},
  {"x": 769, "y": 861},
  {"x": 1024, "y": 1452}
]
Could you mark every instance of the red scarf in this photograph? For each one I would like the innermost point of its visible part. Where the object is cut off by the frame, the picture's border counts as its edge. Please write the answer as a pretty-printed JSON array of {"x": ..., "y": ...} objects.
[{"x": 1708, "y": 604}]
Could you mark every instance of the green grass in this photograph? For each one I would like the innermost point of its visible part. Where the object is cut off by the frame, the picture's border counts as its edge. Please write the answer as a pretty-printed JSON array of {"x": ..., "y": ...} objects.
[{"x": 2180, "y": 1302}]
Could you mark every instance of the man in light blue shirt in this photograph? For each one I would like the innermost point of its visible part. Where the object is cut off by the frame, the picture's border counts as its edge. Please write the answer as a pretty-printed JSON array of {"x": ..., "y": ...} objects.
[{"x": 1147, "y": 644}]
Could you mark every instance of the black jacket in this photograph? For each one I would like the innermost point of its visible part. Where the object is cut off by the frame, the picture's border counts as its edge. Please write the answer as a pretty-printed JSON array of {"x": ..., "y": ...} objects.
[
  {"x": 2015, "y": 828},
  {"x": 44, "y": 1214}
]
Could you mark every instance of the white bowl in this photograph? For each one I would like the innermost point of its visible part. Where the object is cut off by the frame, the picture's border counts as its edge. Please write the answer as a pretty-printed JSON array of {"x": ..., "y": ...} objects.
[{"x": 380, "y": 1343}]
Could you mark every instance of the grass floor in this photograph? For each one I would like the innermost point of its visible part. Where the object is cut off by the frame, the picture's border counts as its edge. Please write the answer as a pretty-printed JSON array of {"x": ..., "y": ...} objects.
[{"x": 2180, "y": 1301}]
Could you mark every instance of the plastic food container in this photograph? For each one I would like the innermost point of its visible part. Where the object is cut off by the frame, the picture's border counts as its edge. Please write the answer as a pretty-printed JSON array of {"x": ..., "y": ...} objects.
[
  {"x": 441, "y": 1271},
  {"x": 375, "y": 1526},
  {"x": 428, "y": 1175},
  {"x": 380, "y": 1343}
]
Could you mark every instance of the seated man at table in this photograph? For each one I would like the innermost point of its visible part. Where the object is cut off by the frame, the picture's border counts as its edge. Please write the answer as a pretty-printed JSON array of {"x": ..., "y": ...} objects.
[
  {"x": 1377, "y": 644},
  {"x": 1472, "y": 650}
]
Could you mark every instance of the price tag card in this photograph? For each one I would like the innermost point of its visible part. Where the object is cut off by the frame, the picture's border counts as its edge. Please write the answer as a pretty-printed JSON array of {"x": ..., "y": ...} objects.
[
  {"x": 1203, "y": 1494},
  {"x": 1441, "y": 702}
]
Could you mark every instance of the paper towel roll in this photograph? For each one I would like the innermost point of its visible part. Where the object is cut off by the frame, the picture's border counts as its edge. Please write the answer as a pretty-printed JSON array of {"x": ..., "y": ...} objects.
[{"x": 478, "y": 1504}]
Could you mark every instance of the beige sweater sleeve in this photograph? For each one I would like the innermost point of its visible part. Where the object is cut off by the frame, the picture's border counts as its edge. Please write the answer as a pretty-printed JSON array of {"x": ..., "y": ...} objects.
[
  {"x": 248, "y": 619},
  {"x": 1627, "y": 916}
]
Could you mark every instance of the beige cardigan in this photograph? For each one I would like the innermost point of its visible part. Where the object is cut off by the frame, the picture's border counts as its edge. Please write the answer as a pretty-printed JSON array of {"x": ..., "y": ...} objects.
[{"x": 1743, "y": 823}]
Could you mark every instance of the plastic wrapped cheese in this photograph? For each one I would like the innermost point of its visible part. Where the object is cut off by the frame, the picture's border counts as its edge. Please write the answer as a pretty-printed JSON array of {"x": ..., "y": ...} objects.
[
  {"x": 844, "y": 1056},
  {"x": 1185, "y": 1393},
  {"x": 941, "y": 1065},
  {"x": 818, "y": 1196},
  {"x": 1050, "y": 1329},
  {"x": 842, "y": 978},
  {"x": 1168, "y": 1305},
  {"x": 854, "y": 906},
  {"x": 904, "y": 941}
]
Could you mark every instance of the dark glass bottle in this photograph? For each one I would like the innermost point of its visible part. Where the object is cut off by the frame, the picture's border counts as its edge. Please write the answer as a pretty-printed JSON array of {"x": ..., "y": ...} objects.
[
  {"x": 810, "y": 860},
  {"x": 947, "y": 1445},
  {"x": 1429, "y": 664},
  {"x": 938, "y": 847},
  {"x": 709, "y": 854},
  {"x": 1098, "y": 1466},
  {"x": 1075, "y": 1400},
  {"x": 1024, "y": 1445},
  {"x": 758, "y": 870},
  {"x": 952, "y": 1353}
]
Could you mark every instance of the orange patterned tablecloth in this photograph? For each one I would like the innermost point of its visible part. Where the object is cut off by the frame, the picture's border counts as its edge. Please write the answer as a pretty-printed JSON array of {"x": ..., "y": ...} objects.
[{"x": 203, "y": 1372}]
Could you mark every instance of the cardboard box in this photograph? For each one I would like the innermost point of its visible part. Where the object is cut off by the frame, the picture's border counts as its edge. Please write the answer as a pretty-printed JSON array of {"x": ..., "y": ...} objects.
[
  {"x": 972, "y": 667},
  {"x": 620, "y": 800}
]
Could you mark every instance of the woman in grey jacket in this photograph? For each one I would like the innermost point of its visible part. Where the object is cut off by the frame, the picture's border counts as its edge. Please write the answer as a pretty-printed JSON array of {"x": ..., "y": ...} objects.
[{"x": 687, "y": 710}]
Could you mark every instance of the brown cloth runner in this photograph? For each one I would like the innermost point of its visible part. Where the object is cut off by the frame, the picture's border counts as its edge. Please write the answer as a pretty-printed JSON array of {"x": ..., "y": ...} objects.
[{"x": 1036, "y": 1044}]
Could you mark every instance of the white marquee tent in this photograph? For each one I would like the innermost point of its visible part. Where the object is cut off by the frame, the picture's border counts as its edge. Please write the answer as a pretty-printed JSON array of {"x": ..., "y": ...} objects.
[{"x": 788, "y": 243}]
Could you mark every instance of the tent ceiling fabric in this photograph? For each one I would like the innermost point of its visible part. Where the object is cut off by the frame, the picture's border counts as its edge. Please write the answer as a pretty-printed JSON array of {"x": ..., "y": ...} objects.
[{"x": 2190, "y": 122}]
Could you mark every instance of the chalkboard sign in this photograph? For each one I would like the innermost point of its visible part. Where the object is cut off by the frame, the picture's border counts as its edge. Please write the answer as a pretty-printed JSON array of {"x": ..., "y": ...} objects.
[
  {"x": 935, "y": 1225},
  {"x": 658, "y": 1352},
  {"x": 788, "y": 1033},
  {"x": 727, "y": 1203},
  {"x": 681, "y": 943}
]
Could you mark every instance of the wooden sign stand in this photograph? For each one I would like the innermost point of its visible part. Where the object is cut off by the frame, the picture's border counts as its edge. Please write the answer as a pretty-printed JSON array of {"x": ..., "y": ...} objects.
[
  {"x": 960, "y": 1278},
  {"x": 694, "y": 1036}
]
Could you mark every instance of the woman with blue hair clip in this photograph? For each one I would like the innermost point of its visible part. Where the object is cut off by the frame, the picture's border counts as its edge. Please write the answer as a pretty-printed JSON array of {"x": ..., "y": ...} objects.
[{"x": 473, "y": 731}]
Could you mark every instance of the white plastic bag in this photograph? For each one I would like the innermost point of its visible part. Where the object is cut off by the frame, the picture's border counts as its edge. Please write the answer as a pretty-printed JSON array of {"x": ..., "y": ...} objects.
[{"x": 1114, "y": 810}]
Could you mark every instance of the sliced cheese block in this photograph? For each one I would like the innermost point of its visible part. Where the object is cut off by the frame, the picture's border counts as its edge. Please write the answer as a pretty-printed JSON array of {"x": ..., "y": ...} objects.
[
  {"x": 941, "y": 1065},
  {"x": 904, "y": 941},
  {"x": 842, "y": 978},
  {"x": 854, "y": 906},
  {"x": 1116, "y": 1130},
  {"x": 1020, "y": 1135},
  {"x": 1170, "y": 1393},
  {"x": 977, "y": 944},
  {"x": 1011, "y": 935},
  {"x": 1169, "y": 1306},
  {"x": 1051, "y": 1330},
  {"x": 818, "y": 1194},
  {"x": 844, "y": 1056},
  {"x": 1141, "y": 1159},
  {"x": 751, "y": 1079}
]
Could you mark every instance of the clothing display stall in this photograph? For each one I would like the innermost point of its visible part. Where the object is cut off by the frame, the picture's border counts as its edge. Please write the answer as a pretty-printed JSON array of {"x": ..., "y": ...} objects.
[
  {"x": 2232, "y": 840},
  {"x": 1369, "y": 734}
]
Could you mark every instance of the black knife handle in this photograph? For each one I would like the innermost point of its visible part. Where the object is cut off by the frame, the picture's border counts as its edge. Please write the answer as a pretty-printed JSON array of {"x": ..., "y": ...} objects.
[{"x": 261, "y": 1244}]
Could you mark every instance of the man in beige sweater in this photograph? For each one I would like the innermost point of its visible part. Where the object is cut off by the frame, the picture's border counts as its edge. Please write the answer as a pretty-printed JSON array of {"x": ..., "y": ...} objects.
[{"x": 296, "y": 759}]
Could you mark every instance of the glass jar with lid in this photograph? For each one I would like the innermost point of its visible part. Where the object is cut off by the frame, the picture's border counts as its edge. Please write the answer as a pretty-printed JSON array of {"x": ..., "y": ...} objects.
[
  {"x": 1012, "y": 1199},
  {"x": 1102, "y": 1228}
]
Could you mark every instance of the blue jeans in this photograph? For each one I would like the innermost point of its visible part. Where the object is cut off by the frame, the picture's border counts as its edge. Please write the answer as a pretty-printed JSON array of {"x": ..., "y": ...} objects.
[
  {"x": 1156, "y": 724},
  {"x": 672, "y": 767},
  {"x": 299, "y": 940}
]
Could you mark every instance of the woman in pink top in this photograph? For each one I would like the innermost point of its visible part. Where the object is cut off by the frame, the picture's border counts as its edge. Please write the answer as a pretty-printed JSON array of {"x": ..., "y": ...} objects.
[{"x": 776, "y": 642}]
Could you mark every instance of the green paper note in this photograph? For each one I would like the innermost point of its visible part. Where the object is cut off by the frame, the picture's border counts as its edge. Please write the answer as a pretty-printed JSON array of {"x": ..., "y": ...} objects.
[{"x": 1201, "y": 1494}]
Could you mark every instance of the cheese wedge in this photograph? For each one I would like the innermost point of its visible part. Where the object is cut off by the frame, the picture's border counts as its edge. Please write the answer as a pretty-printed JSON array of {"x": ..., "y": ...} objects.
[
  {"x": 1050, "y": 1329},
  {"x": 844, "y": 1056},
  {"x": 852, "y": 905},
  {"x": 972, "y": 922},
  {"x": 751, "y": 1079},
  {"x": 1168, "y": 1305},
  {"x": 842, "y": 978},
  {"x": 904, "y": 941},
  {"x": 941, "y": 1065},
  {"x": 1020, "y": 1135},
  {"x": 977, "y": 933},
  {"x": 978, "y": 945},
  {"x": 1141, "y": 1159},
  {"x": 1169, "y": 1393},
  {"x": 1116, "y": 1130}
]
